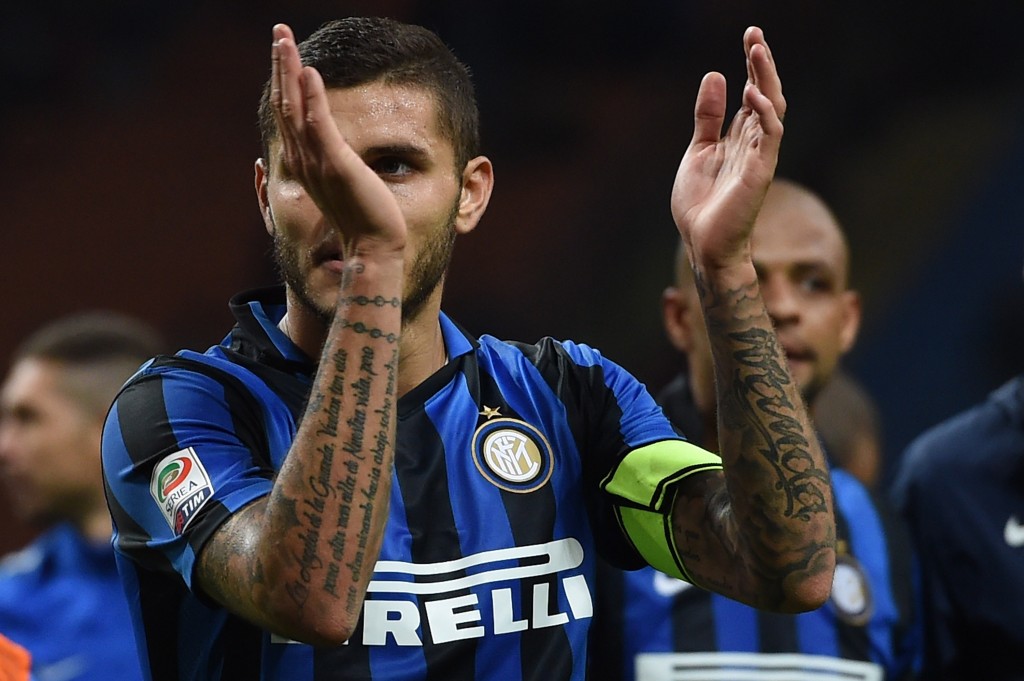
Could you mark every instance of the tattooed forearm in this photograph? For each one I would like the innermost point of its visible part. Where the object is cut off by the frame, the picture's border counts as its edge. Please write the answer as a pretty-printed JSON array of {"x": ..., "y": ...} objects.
[
  {"x": 766, "y": 526},
  {"x": 761, "y": 404},
  {"x": 319, "y": 533}
]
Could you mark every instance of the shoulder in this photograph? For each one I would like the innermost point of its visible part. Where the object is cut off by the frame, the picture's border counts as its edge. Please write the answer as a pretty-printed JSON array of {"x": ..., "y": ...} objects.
[
  {"x": 547, "y": 349},
  {"x": 21, "y": 570},
  {"x": 172, "y": 381},
  {"x": 989, "y": 429},
  {"x": 21, "y": 562}
]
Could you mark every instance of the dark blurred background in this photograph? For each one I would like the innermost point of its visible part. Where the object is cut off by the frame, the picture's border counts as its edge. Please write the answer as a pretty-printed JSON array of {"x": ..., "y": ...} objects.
[{"x": 129, "y": 133}]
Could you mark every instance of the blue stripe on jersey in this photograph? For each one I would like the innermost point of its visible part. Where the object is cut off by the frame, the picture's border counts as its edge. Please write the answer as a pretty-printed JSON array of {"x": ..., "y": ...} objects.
[
  {"x": 817, "y": 634},
  {"x": 653, "y": 627},
  {"x": 285, "y": 660},
  {"x": 454, "y": 414},
  {"x": 735, "y": 623},
  {"x": 542, "y": 408},
  {"x": 393, "y": 660},
  {"x": 237, "y": 479},
  {"x": 279, "y": 424},
  {"x": 130, "y": 580},
  {"x": 868, "y": 543},
  {"x": 397, "y": 662}
]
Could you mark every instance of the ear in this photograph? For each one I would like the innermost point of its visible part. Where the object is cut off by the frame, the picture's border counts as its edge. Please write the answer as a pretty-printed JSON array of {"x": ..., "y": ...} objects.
[
  {"x": 477, "y": 184},
  {"x": 851, "y": 319},
  {"x": 262, "y": 179},
  {"x": 675, "y": 312}
]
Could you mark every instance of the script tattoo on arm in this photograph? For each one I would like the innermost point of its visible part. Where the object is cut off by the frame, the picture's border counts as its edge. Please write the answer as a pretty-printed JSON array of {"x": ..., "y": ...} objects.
[
  {"x": 767, "y": 520},
  {"x": 326, "y": 512}
]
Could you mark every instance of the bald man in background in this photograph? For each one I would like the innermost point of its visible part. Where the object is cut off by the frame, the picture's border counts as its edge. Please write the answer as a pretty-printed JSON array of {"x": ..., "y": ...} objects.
[{"x": 652, "y": 627}]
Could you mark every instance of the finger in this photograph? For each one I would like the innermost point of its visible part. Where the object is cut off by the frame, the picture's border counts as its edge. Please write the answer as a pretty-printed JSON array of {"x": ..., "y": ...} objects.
[
  {"x": 709, "y": 110},
  {"x": 761, "y": 69},
  {"x": 764, "y": 108},
  {"x": 287, "y": 100},
  {"x": 286, "y": 67},
  {"x": 750, "y": 36},
  {"x": 321, "y": 131}
]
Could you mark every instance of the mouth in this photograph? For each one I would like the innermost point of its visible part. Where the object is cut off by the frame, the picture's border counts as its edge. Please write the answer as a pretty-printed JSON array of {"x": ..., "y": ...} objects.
[
  {"x": 330, "y": 257},
  {"x": 796, "y": 353}
]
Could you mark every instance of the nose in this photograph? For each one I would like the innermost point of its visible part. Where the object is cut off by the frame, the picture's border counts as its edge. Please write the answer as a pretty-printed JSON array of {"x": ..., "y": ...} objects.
[{"x": 780, "y": 300}]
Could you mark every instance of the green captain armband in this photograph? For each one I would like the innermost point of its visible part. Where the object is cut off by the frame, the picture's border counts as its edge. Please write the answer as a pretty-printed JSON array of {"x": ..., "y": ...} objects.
[{"x": 643, "y": 480}]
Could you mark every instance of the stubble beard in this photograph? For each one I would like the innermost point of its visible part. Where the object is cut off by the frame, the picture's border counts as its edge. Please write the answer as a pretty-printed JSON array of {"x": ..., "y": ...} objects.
[{"x": 426, "y": 273}]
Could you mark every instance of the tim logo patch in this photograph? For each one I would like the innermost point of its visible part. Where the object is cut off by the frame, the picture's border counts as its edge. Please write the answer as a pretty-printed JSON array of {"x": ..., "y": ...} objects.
[{"x": 180, "y": 486}]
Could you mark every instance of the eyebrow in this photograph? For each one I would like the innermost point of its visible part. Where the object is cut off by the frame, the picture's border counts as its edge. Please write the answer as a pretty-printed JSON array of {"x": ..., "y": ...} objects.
[{"x": 421, "y": 152}]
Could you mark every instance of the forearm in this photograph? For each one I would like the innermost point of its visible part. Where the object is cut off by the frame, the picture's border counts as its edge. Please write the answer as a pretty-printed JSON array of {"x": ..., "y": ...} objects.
[
  {"x": 314, "y": 545},
  {"x": 774, "y": 515}
]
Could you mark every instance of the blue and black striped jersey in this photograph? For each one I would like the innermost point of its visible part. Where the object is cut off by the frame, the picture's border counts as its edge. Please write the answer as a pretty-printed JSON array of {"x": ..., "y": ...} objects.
[
  {"x": 652, "y": 627},
  {"x": 488, "y": 561}
]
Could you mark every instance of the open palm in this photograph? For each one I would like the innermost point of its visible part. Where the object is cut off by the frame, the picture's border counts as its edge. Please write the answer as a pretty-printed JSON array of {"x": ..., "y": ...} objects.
[{"x": 722, "y": 180}]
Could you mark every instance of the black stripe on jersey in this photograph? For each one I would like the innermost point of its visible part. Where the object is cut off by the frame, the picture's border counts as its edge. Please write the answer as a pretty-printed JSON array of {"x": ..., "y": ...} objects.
[
  {"x": 576, "y": 387},
  {"x": 239, "y": 636},
  {"x": 354, "y": 659},
  {"x": 557, "y": 368},
  {"x": 605, "y": 654},
  {"x": 143, "y": 420},
  {"x": 693, "y": 622},
  {"x": 421, "y": 471},
  {"x": 545, "y": 653},
  {"x": 159, "y": 599},
  {"x": 292, "y": 388},
  {"x": 777, "y": 632}
]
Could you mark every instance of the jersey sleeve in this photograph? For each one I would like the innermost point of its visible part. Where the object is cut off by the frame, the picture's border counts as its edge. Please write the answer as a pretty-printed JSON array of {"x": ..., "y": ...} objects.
[
  {"x": 635, "y": 458},
  {"x": 181, "y": 453}
]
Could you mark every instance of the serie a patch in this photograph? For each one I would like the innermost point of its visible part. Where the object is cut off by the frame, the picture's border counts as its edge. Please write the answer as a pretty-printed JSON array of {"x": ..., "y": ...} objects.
[{"x": 180, "y": 486}]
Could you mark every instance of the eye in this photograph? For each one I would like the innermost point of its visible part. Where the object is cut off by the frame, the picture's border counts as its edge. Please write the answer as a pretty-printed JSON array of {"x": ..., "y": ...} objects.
[
  {"x": 816, "y": 284},
  {"x": 391, "y": 166}
]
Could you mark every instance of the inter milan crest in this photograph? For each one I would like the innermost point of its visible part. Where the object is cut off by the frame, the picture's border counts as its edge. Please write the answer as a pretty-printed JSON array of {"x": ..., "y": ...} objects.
[
  {"x": 851, "y": 597},
  {"x": 511, "y": 454}
]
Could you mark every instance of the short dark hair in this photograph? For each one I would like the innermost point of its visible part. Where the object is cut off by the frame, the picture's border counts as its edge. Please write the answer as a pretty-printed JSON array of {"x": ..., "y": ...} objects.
[
  {"x": 92, "y": 338},
  {"x": 359, "y": 50},
  {"x": 97, "y": 352}
]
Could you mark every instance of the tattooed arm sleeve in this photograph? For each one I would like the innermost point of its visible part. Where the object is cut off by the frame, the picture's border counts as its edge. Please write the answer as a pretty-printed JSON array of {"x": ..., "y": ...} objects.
[{"x": 763, "y": 531}]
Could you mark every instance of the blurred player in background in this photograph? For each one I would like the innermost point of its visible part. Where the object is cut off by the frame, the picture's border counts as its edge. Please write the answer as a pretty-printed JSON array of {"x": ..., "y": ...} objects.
[{"x": 60, "y": 597}]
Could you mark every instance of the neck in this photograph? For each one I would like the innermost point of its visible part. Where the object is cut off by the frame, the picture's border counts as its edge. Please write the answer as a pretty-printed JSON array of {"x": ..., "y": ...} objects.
[
  {"x": 421, "y": 350},
  {"x": 96, "y": 526}
]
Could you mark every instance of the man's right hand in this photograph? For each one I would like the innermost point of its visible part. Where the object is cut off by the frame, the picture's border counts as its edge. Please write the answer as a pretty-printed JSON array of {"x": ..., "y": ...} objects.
[{"x": 350, "y": 195}]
